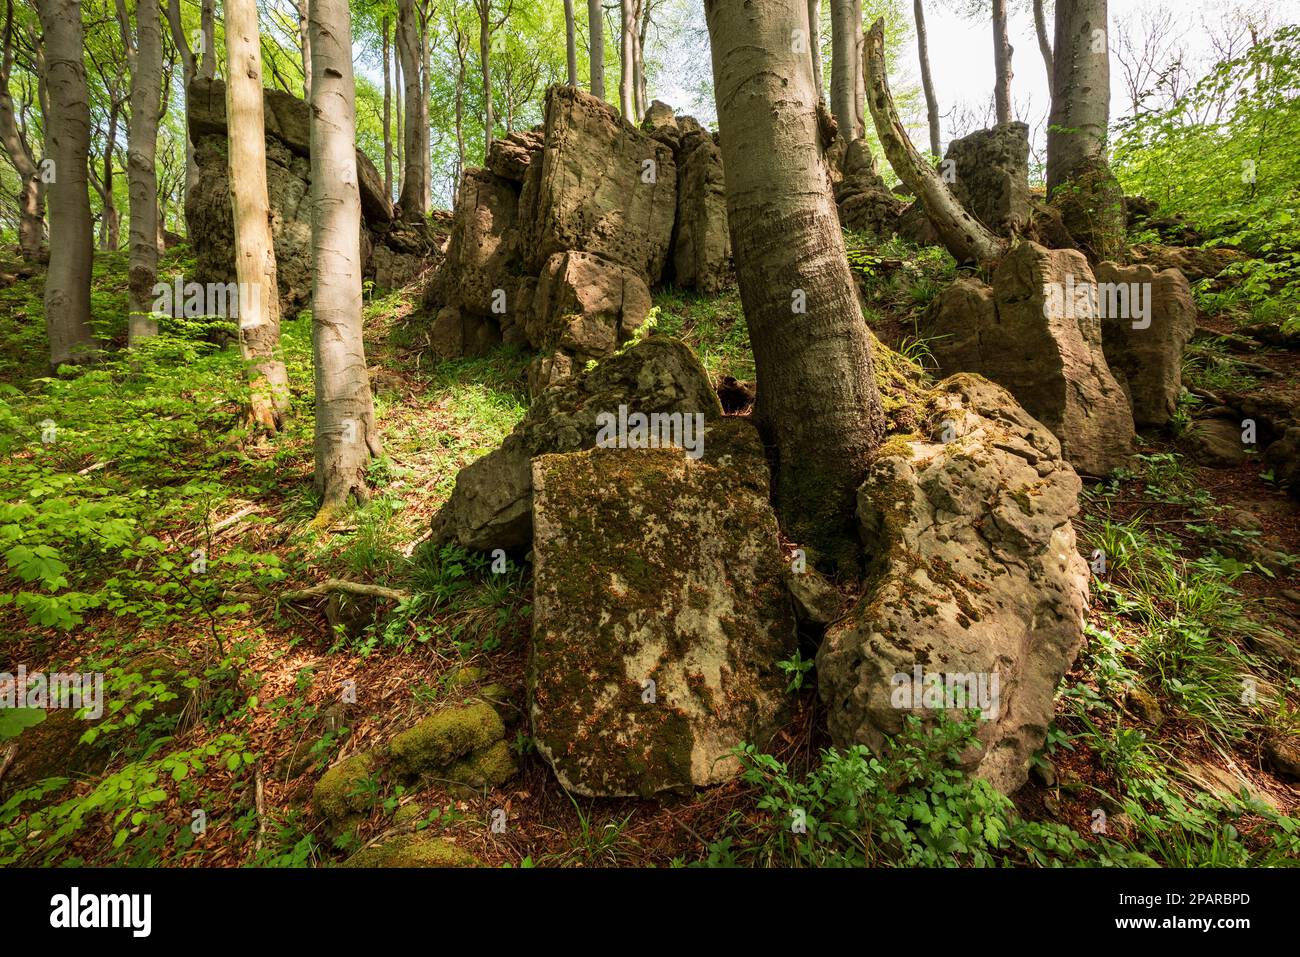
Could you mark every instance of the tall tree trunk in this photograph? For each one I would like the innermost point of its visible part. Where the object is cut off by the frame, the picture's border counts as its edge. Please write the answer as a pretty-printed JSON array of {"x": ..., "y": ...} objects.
[
  {"x": 859, "y": 73},
  {"x": 964, "y": 236},
  {"x": 110, "y": 223},
  {"x": 207, "y": 66},
  {"x": 399, "y": 111},
  {"x": 485, "y": 60},
  {"x": 596, "y": 29},
  {"x": 1044, "y": 42},
  {"x": 571, "y": 42},
  {"x": 815, "y": 45},
  {"x": 141, "y": 169},
  {"x": 415, "y": 184},
  {"x": 817, "y": 397},
  {"x": 259, "y": 298},
  {"x": 638, "y": 61},
  {"x": 927, "y": 81},
  {"x": 388, "y": 115},
  {"x": 67, "y": 138},
  {"x": 1079, "y": 180},
  {"x": 188, "y": 71},
  {"x": 31, "y": 194},
  {"x": 1001, "y": 62},
  {"x": 627, "y": 56},
  {"x": 346, "y": 435},
  {"x": 426, "y": 129},
  {"x": 304, "y": 45},
  {"x": 844, "y": 50}
]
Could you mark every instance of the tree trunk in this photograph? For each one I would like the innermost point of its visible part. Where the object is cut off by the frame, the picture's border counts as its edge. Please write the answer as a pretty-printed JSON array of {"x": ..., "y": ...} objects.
[
  {"x": 596, "y": 29},
  {"x": 1044, "y": 42},
  {"x": 638, "y": 60},
  {"x": 1079, "y": 180},
  {"x": 399, "y": 111},
  {"x": 207, "y": 66},
  {"x": 844, "y": 70},
  {"x": 817, "y": 398},
  {"x": 30, "y": 195},
  {"x": 304, "y": 45},
  {"x": 188, "y": 71},
  {"x": 485, "y": 60},
  {"x": 927, "y": 81},
  {"x": 259, "y": 295},
  {"x": 414, "y": 201},
  {"x": 966, "y": 238},
  {"x": 110, "y": 223},
  {"x": 1001, "y": 63},
  {"x": 859, "y": 73},
  {"x": 627, "y": 56},
  {"x": 571, "y": 42},
  {"x": 141, "y": 170},
  {"x": 388, "y": 115},
  {"x": 346, "y": 435},
  {"x": 815, "y": 45},
  {"x": 67, "y": 142}
]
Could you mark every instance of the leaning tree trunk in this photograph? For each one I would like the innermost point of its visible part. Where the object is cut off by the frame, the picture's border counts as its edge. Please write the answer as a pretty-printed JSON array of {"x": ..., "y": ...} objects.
[
  {"x": 570, "y": 43},
  {"x": 1044, "y": 42},
  {"x": 346, "y": 435},
  {"x": 1001, "y": 63},
  {"x": 965, "y": 236},
  {"x": 259, "y": 295},
  {"x": 627, "y": 56},
  {"x": 817, "y": 397},
  {"x": 414, "y": 201},
  {"x": 67, "y": 141},
  {"x": 843, "y": 70},
  {"x": 927, "y": 81},
  {"x": 596, "y": 31},
  {"x": 815, "y": 45},
  {"x": 1079, "y": 180},
  {"x": 141, "y": 170}
]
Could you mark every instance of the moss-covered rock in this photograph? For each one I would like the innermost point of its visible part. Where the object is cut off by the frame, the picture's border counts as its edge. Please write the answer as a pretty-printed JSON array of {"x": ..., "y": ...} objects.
[
  {"x": 345, "y": 791},
  {"x": 653, "y": 567},
  {"x": 417, "y": 850},
  {"x": 487, "y": 767},
  {"x": 444, "y": 737}
]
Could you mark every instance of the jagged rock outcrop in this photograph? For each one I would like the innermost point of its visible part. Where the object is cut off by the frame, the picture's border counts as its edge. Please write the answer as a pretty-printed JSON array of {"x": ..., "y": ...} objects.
[
  {"x": 491, "y": 505},
  {"x": 660, "y": 613},
  {"x": 974, "y": 583},
  {"x": 1145, "y": 352},
  {"x": 407, "y": 250},
  {"x": 864, "y": 202},
  {"x": 1036, "y": 332},
  {"x": 990, "y": 171},
  {"x": 702, "y": 238}
]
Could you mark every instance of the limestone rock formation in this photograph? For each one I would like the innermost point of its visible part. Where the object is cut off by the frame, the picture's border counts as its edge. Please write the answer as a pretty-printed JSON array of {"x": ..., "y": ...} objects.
[
  {"x": 491, "y": 505},
  {"x": 702, "y": 239},
  {"x": 991, "y": 176},
  {"x": 1145, "y": 353},
  {"x": 660, "y": 613},
  {"x": 1036, "y": 332},
  {"x": 864, "y": 202},
  {"x": 974, "y": 578}
]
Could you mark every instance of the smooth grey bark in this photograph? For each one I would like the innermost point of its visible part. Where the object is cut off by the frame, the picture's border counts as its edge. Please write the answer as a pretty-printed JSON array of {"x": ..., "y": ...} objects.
[
  {"x": 844, "y": 71},
  {"x": 30, "y": 195},
  {"x": 818, "y": 402},
  {"x": 346, "y": 437},
  {"x": 927, "y": 81},
  {"x": 304, "y": 47},
  {"x": 485, "y": 62},
  {"x": 596, "y": 31},
  {"x": 67, "y": 140},
  {"x": 207, "y": 65},
  {"x": 964, "y": 236},
  {"x": 1001, "y": 63},
  {"x": 1044, "y": 42},
  {"x": 414, "y": 201},
  {"x": 570, "y": 43},
  {"x": 255, "y": 269},
  {"x": 388, "y": 113},
  {"x": 146, "y": 62},
  {"x": 189, "y": 69},
  {"x": 815, "y": 45},
  {"x": 627, "y": 59}
]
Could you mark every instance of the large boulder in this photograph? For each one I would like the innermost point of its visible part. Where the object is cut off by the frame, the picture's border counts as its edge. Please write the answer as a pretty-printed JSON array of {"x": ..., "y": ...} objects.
[
  {"x": 1036, "y": 332},
  {"x": 477, "y": 273},
  {"x": 702, "y": 241},
  {"x": 1144, "y": 346},
  {"x": 586, "y": 306},
  {"x": 865, "y": 204},
  {"x": 990, "y": 170},
  {"x": 491, "y": 505},
  {"x": 660, "y": 613},
  {"x": 602, "y": 187},
  {"x": 974, "y": 583}
]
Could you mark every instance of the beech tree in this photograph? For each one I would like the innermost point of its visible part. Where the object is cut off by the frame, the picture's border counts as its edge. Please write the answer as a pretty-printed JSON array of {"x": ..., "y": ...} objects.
[
  {"x": 18, "y": 147},
  {"x": 146, "y": 62},
  {"x": 845, "y": 32},
  {"x": 627, "y": 57},
  {"x": 815, "y": 45},
  {"x": 596, "y": 33},
  {"x": 67, "y": 137},
  {"x": 201, "y": 62},
  {"x": 571, "y": 43},
  {"x": 1044, "y": 42},
  {"x": 415, "y": 197},
  {"x": 346, "y": 436},
  {"x": 1001, "y": 63},
  {"x": 817, "y": 398},
  {"x": 1079, "y": 180},
  {"x": 259, "y": 299},
  {"x": 927, "y": 81}
]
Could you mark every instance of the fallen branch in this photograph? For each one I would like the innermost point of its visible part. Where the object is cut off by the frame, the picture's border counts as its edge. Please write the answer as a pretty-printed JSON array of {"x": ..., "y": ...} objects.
[{"x": 350, "y": 588}]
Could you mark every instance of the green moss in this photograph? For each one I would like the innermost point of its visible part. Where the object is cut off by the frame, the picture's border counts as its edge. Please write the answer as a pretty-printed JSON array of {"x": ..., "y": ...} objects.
[
  {"x": 441, "y": 738},
  {"x": 490, "y": 767},
  {"x": 344, "y": 791},
  {"x": 423, "y": 850}
]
